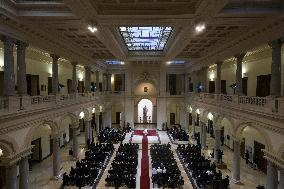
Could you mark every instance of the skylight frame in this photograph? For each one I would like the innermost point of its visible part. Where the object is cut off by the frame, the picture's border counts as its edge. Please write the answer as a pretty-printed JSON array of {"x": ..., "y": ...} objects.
[
  {"x": 160, "y": 34},
  {"x": 114, "y": 62}
]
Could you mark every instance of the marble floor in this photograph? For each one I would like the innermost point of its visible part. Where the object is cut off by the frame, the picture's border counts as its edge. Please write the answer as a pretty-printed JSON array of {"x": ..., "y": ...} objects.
[
  {"x": 250, "y": 178},
  {"x": 41, "y": 175}
]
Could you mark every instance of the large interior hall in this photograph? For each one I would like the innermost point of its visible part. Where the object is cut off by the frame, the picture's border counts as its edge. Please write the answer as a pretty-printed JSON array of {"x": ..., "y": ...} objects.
[{"x": 145, "y": 94}]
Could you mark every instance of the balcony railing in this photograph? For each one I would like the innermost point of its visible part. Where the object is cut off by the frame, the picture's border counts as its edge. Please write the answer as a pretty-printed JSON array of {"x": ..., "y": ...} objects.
[
  {"x": 262, "y": 104},
  {"x": 227, "y": 98},
  {"x": 4, "y": 103},
  {"x": 42, "y": 99},
  {"x": 258, "y": 101}
]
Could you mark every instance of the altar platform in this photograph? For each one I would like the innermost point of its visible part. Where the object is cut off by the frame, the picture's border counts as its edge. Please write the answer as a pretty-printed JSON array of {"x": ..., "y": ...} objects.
[
  {"x": 143, "y": 126},
  {"x": 152, "y": 136}
]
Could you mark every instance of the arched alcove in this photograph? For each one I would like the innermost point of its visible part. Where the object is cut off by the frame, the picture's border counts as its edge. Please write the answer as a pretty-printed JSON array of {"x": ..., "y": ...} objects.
[
  {"x": 145, "y": 111},
  {"x": 252, "y": 141}
]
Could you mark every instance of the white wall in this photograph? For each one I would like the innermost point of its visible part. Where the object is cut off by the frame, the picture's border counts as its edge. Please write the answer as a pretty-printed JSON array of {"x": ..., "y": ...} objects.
[
  {"x": 44, "y": 133},
  {"x": 64, "y": 129},
  {"x": 227, "y": 131},
  {"x": 253, "y": 66},
  {"x": 161, "y": 112},
  {"x": 39, "y": 63}
]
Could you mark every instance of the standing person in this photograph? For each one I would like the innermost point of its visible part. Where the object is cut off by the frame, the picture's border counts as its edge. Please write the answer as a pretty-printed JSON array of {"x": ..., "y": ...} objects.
[
  {"x": 247, "y": 156},
  {"x": 255, "y": 161}
]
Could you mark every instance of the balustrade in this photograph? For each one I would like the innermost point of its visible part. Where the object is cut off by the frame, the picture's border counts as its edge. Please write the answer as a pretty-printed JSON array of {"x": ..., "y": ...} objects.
[
  {"x": 12, "y": 104},
  {"x": 4, "y": 103},
  {"x": 258, "y": 101},
  {"x": 227, "y": 98},
  {"x": 42, "y": 99}
]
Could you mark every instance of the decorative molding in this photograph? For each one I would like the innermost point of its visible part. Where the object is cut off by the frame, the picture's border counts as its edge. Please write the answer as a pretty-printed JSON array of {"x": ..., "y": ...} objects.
[
  {"x": 272, "y": 157},
  {"x": 16, "y": 157}
]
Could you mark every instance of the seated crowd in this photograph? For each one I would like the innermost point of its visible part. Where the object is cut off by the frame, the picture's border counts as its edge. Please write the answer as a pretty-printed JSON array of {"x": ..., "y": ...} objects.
[
  {"x": 111, "y": 135},
  {"x": 165, "y": 172},
  {"x": 87, "y": 170},
  {"x": 124, "y": 167},
  {"x": 178, "y": 133},
  {"x": 201, "y": 169}
]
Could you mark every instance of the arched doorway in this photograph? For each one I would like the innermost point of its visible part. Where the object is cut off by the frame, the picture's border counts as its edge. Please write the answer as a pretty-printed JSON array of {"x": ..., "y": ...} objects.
[
  {"x": 145, "y": 111},
  {"x": 253, "y": 142}
]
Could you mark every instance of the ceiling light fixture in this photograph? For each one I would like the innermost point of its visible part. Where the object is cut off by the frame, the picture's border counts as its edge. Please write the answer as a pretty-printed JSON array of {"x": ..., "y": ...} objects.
[
  {"x": 199, "y": 28},
  {"x": 92, "y": 29}
]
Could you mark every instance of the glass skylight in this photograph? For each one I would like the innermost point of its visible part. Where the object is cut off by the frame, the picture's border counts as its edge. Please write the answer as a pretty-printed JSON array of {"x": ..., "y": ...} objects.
[
  {"x": 177, "y": 62},
  {"x": 145, "y": 38},
  {"x": 114, "y": 62}
]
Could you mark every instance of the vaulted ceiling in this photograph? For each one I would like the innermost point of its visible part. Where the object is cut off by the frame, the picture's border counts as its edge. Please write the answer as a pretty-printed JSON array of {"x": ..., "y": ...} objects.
[{"x": 60, "y": 26}]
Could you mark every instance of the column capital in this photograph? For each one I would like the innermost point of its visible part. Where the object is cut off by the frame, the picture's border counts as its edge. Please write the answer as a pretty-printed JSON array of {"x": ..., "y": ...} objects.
[
  {"x": 55, "y": 136},
  {"x": 240, "y": 56},
  {"x": 75, "y": 125},
  {"x": 21, "y": 45},
  {"x": 74, "y": 63},
  {"x": 87, "y": 67},
  {"x": 8, "y": 39},
  {"x": 13, "y": 159},
  {"x": 54, "y": 57},
  {"x": 277, "y": 43},
  {"x": 219, "y": 63}
]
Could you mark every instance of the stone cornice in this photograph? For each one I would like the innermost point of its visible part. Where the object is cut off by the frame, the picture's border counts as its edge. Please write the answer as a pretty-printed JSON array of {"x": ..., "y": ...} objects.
[
  {"x": 272, "y": 157},
  {"x": 26, "y": 119},
  {"x": 271, "y": 121},
  {"x": 15, "y": 158}
]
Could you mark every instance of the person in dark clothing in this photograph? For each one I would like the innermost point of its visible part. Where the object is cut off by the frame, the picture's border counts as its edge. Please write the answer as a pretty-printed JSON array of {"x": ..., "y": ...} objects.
[{"x": 247, "y": 156}]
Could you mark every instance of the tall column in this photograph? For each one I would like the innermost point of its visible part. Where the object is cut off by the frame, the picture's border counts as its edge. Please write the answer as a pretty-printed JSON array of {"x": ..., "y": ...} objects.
[
  {"x": 217, "y": 143},
  {"x": 163, "y": 82},
  {"x": 201, "y": 133},
  {"x": 56, "y": 157},
  {"x": 186, "y": 83},
  {"x": 218, "y": 77},
  {"x": 186, "y": 121},
  {"x": 272, "y": 176},
  {"x": 87, "y": 79},
  {"x": 107, "y": 117},
  {"x": 21, "y": 63},
  {"x": 74, "y": 77},
  {"x": 182, "y": 118},
  {"x": 55, "y": 81},
  {"x": 97, "y": 81},
  {"x": 103, "y": 82},
  {"x": 98, "y": 123},
  {"x": 11, "y": 177},
  {"x": 161, "y": 112},
  {"x": 75, "y": 141},
  {"x": 109, "y": 82},
  {"x": 204, "y": 133},
  {"x": 87, "y": 131},
  {"x": 193, "y": 124},
  {"x": 239, "y": 85},
  {"x": 275, "y": 82},
  {"x": 236, "y": 161},
  {"x": 91, "y": 132},
  {"x": 281, "y": 182},
  {"x": 123, "y": 82},
  {"x": 9, "y": 76},
  {"x": 24, "y": 173},
  {"x": 205, "y": 79}
]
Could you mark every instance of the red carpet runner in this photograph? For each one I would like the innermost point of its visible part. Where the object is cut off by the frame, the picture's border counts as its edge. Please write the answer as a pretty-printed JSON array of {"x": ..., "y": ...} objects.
[
  {"x": 150, "y": 132},
  {"x": 144, "y": 178}
]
